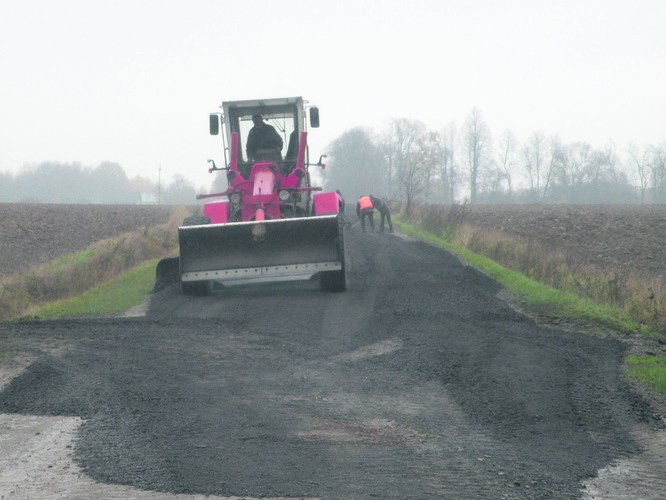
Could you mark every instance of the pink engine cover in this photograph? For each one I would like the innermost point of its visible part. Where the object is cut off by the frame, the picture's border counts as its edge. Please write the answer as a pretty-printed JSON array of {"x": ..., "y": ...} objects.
[
  {"x": 326, "y": 203},
  {"x": 217, "y": 211}
]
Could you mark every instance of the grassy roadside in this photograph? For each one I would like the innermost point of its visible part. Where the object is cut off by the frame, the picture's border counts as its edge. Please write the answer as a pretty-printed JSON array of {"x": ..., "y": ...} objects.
[
  {"x": 117, "y": 295},
  {"x": 549, "y": 302},
  {"x": 537, "y": 297},
  {"x": 651, "y": 370}
]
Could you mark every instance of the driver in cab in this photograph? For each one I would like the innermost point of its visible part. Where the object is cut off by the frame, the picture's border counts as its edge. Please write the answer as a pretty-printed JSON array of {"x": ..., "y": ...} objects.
[{"x": 263, "y": 142}]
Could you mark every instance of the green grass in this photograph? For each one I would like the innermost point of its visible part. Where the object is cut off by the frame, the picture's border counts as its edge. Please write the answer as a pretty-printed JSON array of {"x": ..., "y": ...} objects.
[
  {"x": 650, "y": 370},
  {"x": 114, "y": 296},
  {"x": 538, "y": 297},
  {"x": 70, "y": 260}
]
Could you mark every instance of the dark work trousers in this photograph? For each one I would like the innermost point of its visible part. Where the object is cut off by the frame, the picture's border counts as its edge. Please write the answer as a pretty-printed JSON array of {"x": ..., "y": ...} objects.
[
  {"x": 368, "y": 212},
  {"x": 386, "y": 215}
]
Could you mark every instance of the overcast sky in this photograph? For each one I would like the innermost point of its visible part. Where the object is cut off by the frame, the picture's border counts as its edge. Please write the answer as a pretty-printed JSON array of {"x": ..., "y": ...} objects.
[{"x": 133, "y": 81}]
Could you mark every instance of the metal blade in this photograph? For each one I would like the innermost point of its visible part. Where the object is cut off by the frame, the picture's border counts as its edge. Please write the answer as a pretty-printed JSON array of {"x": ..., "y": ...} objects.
[{"x": 259, "y": 248}]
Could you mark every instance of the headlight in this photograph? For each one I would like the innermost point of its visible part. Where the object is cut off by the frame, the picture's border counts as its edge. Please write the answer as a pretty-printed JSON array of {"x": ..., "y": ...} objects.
[
  {"x": 283, "y": 195},
  {"x": 235, "y": 198}
]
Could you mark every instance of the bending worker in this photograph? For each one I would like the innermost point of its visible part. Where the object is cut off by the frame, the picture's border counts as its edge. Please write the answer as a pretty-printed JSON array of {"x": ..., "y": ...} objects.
[
  {"x": 383, "y": 209},
  {"x": 364, "y": 208}
]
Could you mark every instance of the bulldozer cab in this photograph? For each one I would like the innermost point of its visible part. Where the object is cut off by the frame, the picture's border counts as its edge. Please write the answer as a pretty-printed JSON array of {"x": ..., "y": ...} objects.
[{"x": 285, "y": 115}]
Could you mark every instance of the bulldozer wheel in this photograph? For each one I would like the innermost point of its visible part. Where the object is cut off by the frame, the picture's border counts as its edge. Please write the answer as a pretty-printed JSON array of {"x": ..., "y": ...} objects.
[
  {"x": 333, "y": 281},
  {"x": 196, "y": 220},
  {"x": 167, "y": 273},
  {"x": 197, "y": 288},
  {"x": 336, "y": 281}
]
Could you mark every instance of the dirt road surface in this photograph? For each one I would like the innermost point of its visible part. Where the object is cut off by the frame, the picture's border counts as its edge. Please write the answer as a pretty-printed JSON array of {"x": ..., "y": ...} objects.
[{"x": 417, "y": 382}]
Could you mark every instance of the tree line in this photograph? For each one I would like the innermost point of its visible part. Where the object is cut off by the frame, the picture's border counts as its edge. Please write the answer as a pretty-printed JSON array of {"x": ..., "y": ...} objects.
[
  {"x": 407, "y": 161},
  {"x": 54, "y": 182}
]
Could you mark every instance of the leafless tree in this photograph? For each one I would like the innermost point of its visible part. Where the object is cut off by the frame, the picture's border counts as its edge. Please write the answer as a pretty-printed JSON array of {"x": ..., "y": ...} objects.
[
  {"x": 412, "y": 174},
  {"x": 507, "y": 156},
  {"x": 450, "y": 135},
  {"x": 492, "y": 182},
  {"x": 477, "y": 148},
  {"x": 534, "y": 153},
  {"x": 436, "y": 158},
  {"x": 575, "y": 163},
  {"x": 388, "y": 153},
  {"x": 658, "y": 172},
  {"x": 432, "y": 157},
  {"x": 552, "y": 163},
  {"x": 640, "y": 160}
]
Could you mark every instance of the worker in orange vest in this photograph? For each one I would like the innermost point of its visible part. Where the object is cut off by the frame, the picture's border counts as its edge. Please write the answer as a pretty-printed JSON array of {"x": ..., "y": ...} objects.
[{"x": 364, "y": 208}]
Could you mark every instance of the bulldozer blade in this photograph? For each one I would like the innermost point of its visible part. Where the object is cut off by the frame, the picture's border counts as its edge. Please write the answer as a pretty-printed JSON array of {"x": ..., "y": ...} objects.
[{"x": 260, "y": 249}]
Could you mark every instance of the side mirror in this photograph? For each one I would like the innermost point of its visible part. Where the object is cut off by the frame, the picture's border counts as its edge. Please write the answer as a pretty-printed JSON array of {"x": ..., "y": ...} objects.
[
  {"x": 214, "y": 121},
  {"x": 314, "y": 117}
]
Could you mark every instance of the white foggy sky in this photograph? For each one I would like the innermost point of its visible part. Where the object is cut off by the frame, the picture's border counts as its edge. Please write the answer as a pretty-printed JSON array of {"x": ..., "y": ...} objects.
[{"x": 134, "y": 81}]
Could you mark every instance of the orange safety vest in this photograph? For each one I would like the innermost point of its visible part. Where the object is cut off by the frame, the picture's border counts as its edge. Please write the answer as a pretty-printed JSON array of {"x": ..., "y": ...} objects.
[{"x": 365, "y": 202}]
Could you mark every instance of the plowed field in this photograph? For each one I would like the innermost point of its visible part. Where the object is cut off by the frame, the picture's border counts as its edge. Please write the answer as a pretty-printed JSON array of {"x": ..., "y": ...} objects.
[
  {"x": 617, "y": 236},
  {"x": 33, "y": 234}
]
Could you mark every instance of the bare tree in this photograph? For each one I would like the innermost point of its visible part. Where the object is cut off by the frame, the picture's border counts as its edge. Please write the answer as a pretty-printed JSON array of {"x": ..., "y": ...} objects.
[
  {"x": 577, "y": 160},
  {"x": 450, "y": 135},
  {"x": 507, "y": 156},
  {"x": 492, "y": 183},
  {"x": 388, "y": 154},
  {"x": 602, "y": 162},
  {"x": 552, "y": 164},
  {"x": 412, "y": 174},
  {"x": 431, "y": 156},
  {"x": 640, "y": 161},
  {"x": 534, "y": 153},
  {"x": 477, "y": 148},
  {"x": 657, "y": 169}
]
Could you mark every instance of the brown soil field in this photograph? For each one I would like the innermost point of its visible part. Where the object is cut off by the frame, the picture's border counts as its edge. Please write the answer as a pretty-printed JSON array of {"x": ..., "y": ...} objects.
[
  {"x": 33, "y": 234},
  {"x": 622, "y": 237}
]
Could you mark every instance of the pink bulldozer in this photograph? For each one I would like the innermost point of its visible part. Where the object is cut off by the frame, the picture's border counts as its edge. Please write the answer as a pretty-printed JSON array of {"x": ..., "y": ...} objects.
[{"x": 270, "y": 223}]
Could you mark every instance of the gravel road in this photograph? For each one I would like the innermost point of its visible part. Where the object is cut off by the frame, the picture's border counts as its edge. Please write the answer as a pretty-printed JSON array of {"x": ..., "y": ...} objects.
[{"x": 417, "y": 382}]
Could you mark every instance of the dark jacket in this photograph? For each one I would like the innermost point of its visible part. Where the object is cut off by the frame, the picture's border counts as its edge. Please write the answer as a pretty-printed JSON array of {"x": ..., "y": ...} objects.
[
  {"x": 380, "y": 205},
  {"x": 264, "y": 137}
]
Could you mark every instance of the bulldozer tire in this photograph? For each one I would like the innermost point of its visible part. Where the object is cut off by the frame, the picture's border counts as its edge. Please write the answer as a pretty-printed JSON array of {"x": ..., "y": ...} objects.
[
  {"x": 336, "y": 281},
  {"x": 196, "y": 288},
  {"x": 333, "y": 281},
  {"x": 196, "y": 220},
  {"x": 167, "y": 273}
]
